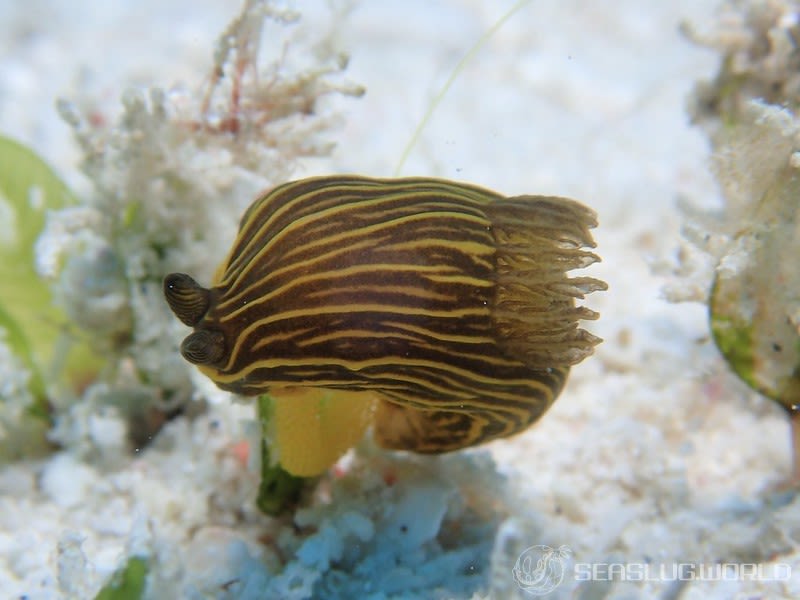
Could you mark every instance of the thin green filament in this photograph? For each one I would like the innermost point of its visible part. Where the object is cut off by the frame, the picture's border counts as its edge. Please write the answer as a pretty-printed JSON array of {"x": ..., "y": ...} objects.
[{"x": 450, "y": 80}]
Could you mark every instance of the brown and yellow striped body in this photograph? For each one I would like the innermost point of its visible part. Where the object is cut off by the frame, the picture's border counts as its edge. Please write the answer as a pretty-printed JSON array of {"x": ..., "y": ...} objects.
[{"x": 448, "y": 301}]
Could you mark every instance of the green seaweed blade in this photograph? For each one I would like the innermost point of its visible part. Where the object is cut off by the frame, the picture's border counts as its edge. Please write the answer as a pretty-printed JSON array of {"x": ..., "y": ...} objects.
[
  {"x": 29, "y": 188},
  {"x": 278, "y": 489},
  {"x": 128, "y": 583}
]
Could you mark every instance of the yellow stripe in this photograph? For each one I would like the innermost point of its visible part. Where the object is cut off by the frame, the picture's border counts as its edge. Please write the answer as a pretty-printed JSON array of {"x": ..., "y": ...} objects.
[
  {"x": 441, "y": 336},
  {"x": 386, "y": 197},
  {"x": 357, "y": 366},
  {"x": 233, "y": 271},
  {"x": 356, "y": 308},
  {"x": 334, "y": 275}
]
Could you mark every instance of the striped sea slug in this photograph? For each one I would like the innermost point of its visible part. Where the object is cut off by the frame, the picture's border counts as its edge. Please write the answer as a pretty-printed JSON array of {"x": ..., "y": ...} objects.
[{"x": 439, "y": 312}]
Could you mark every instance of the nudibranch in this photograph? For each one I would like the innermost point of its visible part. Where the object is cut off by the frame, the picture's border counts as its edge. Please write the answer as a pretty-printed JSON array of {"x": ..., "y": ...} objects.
[{"x": 438, "y": 312}]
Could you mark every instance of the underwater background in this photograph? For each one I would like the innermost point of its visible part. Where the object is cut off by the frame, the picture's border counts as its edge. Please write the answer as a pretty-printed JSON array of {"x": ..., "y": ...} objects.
[{"x": 127, "y": 474}]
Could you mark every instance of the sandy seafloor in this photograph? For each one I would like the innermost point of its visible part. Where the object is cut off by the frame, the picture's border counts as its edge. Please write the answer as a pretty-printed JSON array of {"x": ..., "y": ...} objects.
[{"x": 653, "y": 452}]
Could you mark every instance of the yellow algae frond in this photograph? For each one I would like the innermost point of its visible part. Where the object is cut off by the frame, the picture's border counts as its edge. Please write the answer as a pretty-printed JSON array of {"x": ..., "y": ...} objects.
[{"x": 314, "y": 427}]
